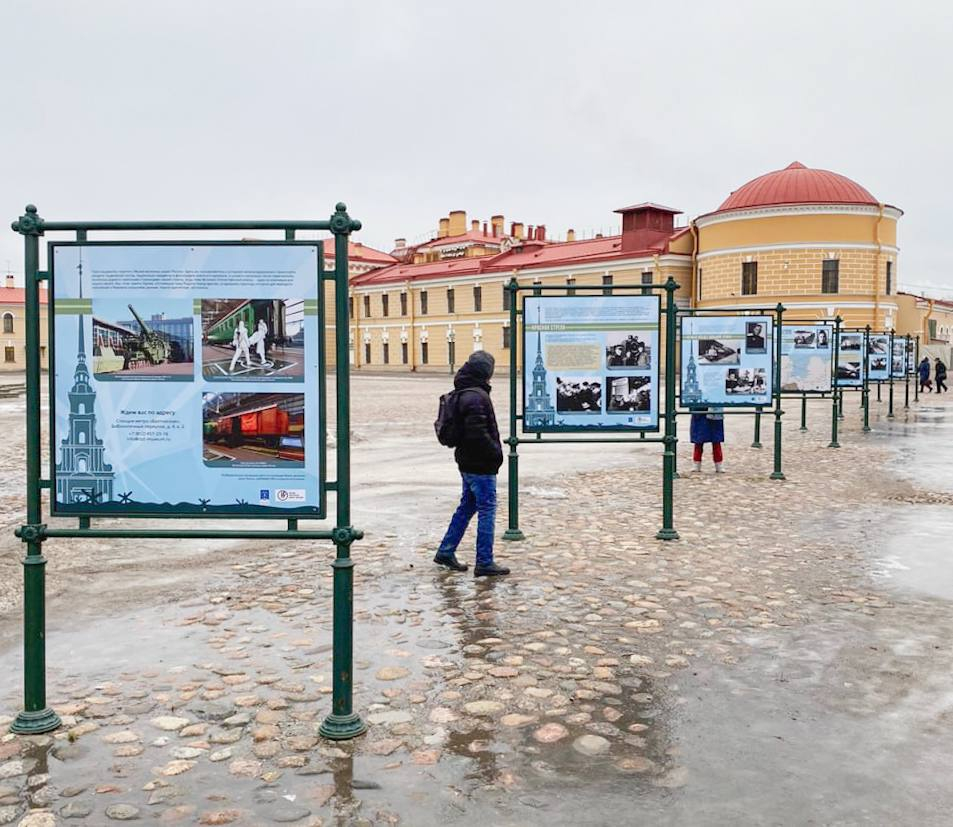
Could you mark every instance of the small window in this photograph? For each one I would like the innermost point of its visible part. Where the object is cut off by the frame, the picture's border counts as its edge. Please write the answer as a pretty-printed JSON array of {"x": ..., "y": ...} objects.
[
  {"x": 386, "y": 353},
  {"x": 423, "y": 302},
  {"x": 367, "y": 307},
  {"x": 424, "y": 353},
  {"x": 403, "y": 352},
  {"x": 931, "y": 329},
  {"x": 506, "y": 337},
  {"x": 507, "y": 298},
  {"x": 477, "y": 299},
  {"x": 350, "y": 307},
  {"x": 749, "y": 278},
  {"x": 607, "y": 281},
  {"x": 830, "y": 276},
  {"x": 571, "y": 286},
  {"x": 699, "y": 282},
  {"x": 451, "y": 302},
  {"x": 8, "y": 323},
  {"x": 9, "y": 354},
  {"x": 403, "y": 304},
  {"x": 385, "y": 304},
  {"x": 646, "y": 279},
  {"x": 889, "y": 277},
  {"x": 367, "y": 353}
]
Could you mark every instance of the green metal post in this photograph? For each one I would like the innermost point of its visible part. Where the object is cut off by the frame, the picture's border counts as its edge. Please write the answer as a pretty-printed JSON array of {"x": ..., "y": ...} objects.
[
  {"x": 890, "y": 381},
  {"x": 667, "y": 531},
  {"x": 865, "y": 395},
  {"x": 835, "y": 393},
  {"x": 342, "y": 723},
  {"x": 757, "y": 428},
  {"x": 840, "y": 405},
  {"x": 513, "y": 461},
  {"x": 36, "y": 716},
  {"x": 906, "y": 372},
  {"x": 803, "y": 411},
  {"x": 777, "y": 474},
  {"x": 878, "y": 391}
]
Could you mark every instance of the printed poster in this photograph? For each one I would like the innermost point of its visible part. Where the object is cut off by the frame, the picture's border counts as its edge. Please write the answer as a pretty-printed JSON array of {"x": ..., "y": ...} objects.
[
  {"x": 879, "y": 353},
  {"x": 851, "y": 358},
  {"x": 727, "y": 360},
  {"x": 185, "y": 379},
  {"x": 590, "y": 362},
  {"x": 806, "y": 357}
]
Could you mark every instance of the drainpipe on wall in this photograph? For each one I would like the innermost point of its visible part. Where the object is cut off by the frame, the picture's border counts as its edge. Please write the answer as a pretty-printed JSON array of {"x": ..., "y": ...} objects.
[
  {"x": 696, "y": 287},
  {"x": 880, "y": 219},
  {"x": 656, "y": 269},
  {"x": 412, "y": 339},
  {"x": 926, "y": 322}
]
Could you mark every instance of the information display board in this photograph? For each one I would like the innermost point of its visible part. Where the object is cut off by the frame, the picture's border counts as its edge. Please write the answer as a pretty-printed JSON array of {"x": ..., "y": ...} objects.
[
  {"x": 727, "y": 360},
  {"x": 185, "y": 379},
  {"x": 901, "y": 360},
  {"x": 851, "y": 358},
  {"x": 807, "y": 357},
  {"x": 591, "y": 363},
  {"x": 878, "y": 357}
]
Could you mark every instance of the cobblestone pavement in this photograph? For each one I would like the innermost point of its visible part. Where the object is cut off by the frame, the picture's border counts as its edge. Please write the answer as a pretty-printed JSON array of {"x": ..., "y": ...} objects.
[{"x": 786, "y": 661}]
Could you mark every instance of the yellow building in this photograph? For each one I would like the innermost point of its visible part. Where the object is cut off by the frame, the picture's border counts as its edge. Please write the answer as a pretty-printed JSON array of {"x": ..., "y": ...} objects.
[
  {"x": 13, "y": 328},
  {"x": 811, "y": 239}
]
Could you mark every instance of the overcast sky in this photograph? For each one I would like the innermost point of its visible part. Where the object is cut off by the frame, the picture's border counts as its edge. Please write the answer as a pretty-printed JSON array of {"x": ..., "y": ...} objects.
[{"x": 548, "y": 112}]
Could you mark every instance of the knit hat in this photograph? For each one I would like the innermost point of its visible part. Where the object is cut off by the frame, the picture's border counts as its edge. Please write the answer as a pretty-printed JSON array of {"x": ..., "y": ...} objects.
[{"x": 482, "y": 364}]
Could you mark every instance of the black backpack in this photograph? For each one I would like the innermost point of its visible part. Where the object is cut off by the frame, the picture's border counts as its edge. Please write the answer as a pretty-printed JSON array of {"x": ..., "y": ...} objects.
[{"x": 447, "y": 425}]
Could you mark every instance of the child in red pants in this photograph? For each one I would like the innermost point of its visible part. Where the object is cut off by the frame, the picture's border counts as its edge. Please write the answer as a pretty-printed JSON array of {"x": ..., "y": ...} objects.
[{"x": 708, "y": 426}]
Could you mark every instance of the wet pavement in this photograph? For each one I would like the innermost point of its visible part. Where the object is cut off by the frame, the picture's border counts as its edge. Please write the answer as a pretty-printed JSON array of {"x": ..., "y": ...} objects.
[{"x": 786, "y": 662}]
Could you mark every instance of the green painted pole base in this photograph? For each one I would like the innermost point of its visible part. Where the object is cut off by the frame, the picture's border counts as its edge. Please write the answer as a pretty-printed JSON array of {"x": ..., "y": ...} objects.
[
  {"x": 35, "y": 723},
  {"x": 777, "y": 475},
  {"x": 342, "y": 727},
  {"x": 756, "y": 445},
  {"x": 513, "y": 534},
  {"x": 833, "y": 445},
  {"x": 666, "y": 534}
]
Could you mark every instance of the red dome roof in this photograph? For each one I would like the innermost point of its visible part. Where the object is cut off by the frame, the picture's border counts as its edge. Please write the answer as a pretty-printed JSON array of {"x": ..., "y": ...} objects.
[{"x": 796, "y": 184}]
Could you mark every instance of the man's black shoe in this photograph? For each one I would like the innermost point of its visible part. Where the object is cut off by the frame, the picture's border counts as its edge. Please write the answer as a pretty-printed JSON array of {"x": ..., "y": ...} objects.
[
  {"x": 450, "y": 561},
  {"x": 492, "y": 570}
]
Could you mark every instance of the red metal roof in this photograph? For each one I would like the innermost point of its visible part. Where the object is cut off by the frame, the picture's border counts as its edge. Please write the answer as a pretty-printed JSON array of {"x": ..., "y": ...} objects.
[
  {"x": 463, "y": 238},
  {"x": 797, "y": 184},
  {"x": 359, "y": 252},
  {"x": 17, "y": 295}
]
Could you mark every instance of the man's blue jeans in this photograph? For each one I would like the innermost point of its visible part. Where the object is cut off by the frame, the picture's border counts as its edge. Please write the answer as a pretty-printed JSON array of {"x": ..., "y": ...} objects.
[{"x": 479, "y": 497}]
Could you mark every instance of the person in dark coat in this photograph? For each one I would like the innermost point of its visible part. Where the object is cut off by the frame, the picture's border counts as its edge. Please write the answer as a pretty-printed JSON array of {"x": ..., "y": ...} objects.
[
  {"x": 924, "y": 371},
  {"x": 708, "y": 425},
  {"x": 479, "y": 455},
  {"x": 939, "y": 373}
]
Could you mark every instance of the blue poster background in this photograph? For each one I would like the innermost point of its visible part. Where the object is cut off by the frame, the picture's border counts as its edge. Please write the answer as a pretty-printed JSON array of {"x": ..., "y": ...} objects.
[
  {"x": 807, "y": 357},
  {"x": 851, "y": 359},
  {"x": 878, "y": 357},
  {"x": 131, "y": 439},
  {"x": 727, "y": 361},
  {"x": 590, "y": 362}
]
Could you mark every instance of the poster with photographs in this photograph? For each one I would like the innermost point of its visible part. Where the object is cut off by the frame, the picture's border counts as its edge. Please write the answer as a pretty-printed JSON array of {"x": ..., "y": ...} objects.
[
  {"x": 851, "y": 359},
  {"x": 807, "y": 357},
  {"x": 878, "y": 356},
  {"x": 898, "y": 357},
  {"x": 590, "y": 363},
  {"x": 727, "y": 360},
  {"x": 185, "y": 379}
]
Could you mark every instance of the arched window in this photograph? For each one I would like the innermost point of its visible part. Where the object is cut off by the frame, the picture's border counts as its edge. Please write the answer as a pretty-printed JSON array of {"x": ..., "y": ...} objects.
[
  {"x": 81, "y": 438},
  {"x": 81, "y": 465},
  {"x": 8, "y": 323}
]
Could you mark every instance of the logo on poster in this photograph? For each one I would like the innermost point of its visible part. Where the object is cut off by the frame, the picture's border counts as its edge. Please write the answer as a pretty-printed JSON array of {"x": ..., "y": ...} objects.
[
  {"x": 290, "y": 495},
  {"x": 264, "y": 497}
]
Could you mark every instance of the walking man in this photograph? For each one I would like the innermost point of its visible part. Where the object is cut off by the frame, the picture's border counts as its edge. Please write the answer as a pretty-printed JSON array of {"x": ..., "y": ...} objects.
[
  {"x": 939, "y": 373},
  {"x": 924, "y": 374},
  {"x": 479, "y": 455}
]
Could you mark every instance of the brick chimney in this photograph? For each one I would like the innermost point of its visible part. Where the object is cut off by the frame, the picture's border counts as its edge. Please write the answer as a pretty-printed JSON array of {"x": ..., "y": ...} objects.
[
  {"x": 9, "y": 280},
  {"x": 645, "y": 225},
  {"x": 474, "y": 226},
  {"x": 497, "y": 223},
  {"x": 458, "y": 222},
  {"x": 570, "y": 235},
  {"x": 541, "y": 232},
  {"x": 444, "y": 230}
]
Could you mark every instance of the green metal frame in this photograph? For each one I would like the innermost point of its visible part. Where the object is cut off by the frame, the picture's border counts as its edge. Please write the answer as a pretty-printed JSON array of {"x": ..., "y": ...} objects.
[
  {"x": 36, "y": 716},
  {"x": 669, "y": 440}
]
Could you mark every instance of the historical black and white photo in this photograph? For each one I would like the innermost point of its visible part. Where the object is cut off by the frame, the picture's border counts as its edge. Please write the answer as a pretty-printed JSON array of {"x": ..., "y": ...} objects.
[
  {"x": 848, "y": 370},
  {"x": 878, "y": 363},
  {"x": 754, "y": 337},
  {"x": 746, "y": 381},
  {"x": 628, "y": 393},
  {"x": 627, "y": 350},
  {"x": 804, "y": 339},
  {"x": 879, "y": 344},
  {"x": 579, "y": 395},
  {"x": 719, "y": 351},
  {"x": 851, "y": 341},
  {"x": 823, "y": 340}
]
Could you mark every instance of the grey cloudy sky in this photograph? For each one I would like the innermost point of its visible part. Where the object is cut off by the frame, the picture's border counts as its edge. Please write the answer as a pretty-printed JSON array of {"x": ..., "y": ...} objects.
[{"x": 549, "y": 112}]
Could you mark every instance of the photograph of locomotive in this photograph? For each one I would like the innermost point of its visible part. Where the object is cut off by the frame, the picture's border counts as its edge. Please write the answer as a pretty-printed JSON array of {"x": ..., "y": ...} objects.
[
  {"x": 253, "y": 340},
  {"x": 253, "y": 429},
  {"x": 719, "y": 351},
  {"x": 145, "y": 340}
]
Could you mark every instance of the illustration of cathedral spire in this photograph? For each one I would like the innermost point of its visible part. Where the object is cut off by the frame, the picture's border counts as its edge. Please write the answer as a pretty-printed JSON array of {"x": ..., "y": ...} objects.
[
  {"x": 82, "y": 474},
  {"x": 540, "y": 412},
  {"x": 691, "y": 391}
]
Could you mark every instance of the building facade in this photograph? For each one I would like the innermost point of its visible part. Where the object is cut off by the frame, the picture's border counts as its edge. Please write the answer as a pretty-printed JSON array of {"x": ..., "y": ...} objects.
[
  {"x": 813, "y": 240},
  {"x": 13, "y": 328}
]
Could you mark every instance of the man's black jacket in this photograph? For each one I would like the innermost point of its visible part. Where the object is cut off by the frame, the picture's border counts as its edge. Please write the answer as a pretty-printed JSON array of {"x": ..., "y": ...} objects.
[{"x": 479, "y": 450}]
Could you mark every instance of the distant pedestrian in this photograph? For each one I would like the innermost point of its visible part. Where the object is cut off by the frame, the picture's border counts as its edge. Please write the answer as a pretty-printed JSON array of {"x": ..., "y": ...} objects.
[
  {"x": 939, "y": 373},
  {"x": 708, "y": 426},
  {"x": 924, "y": 371},
  {"x": 467, "y": 422}
]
